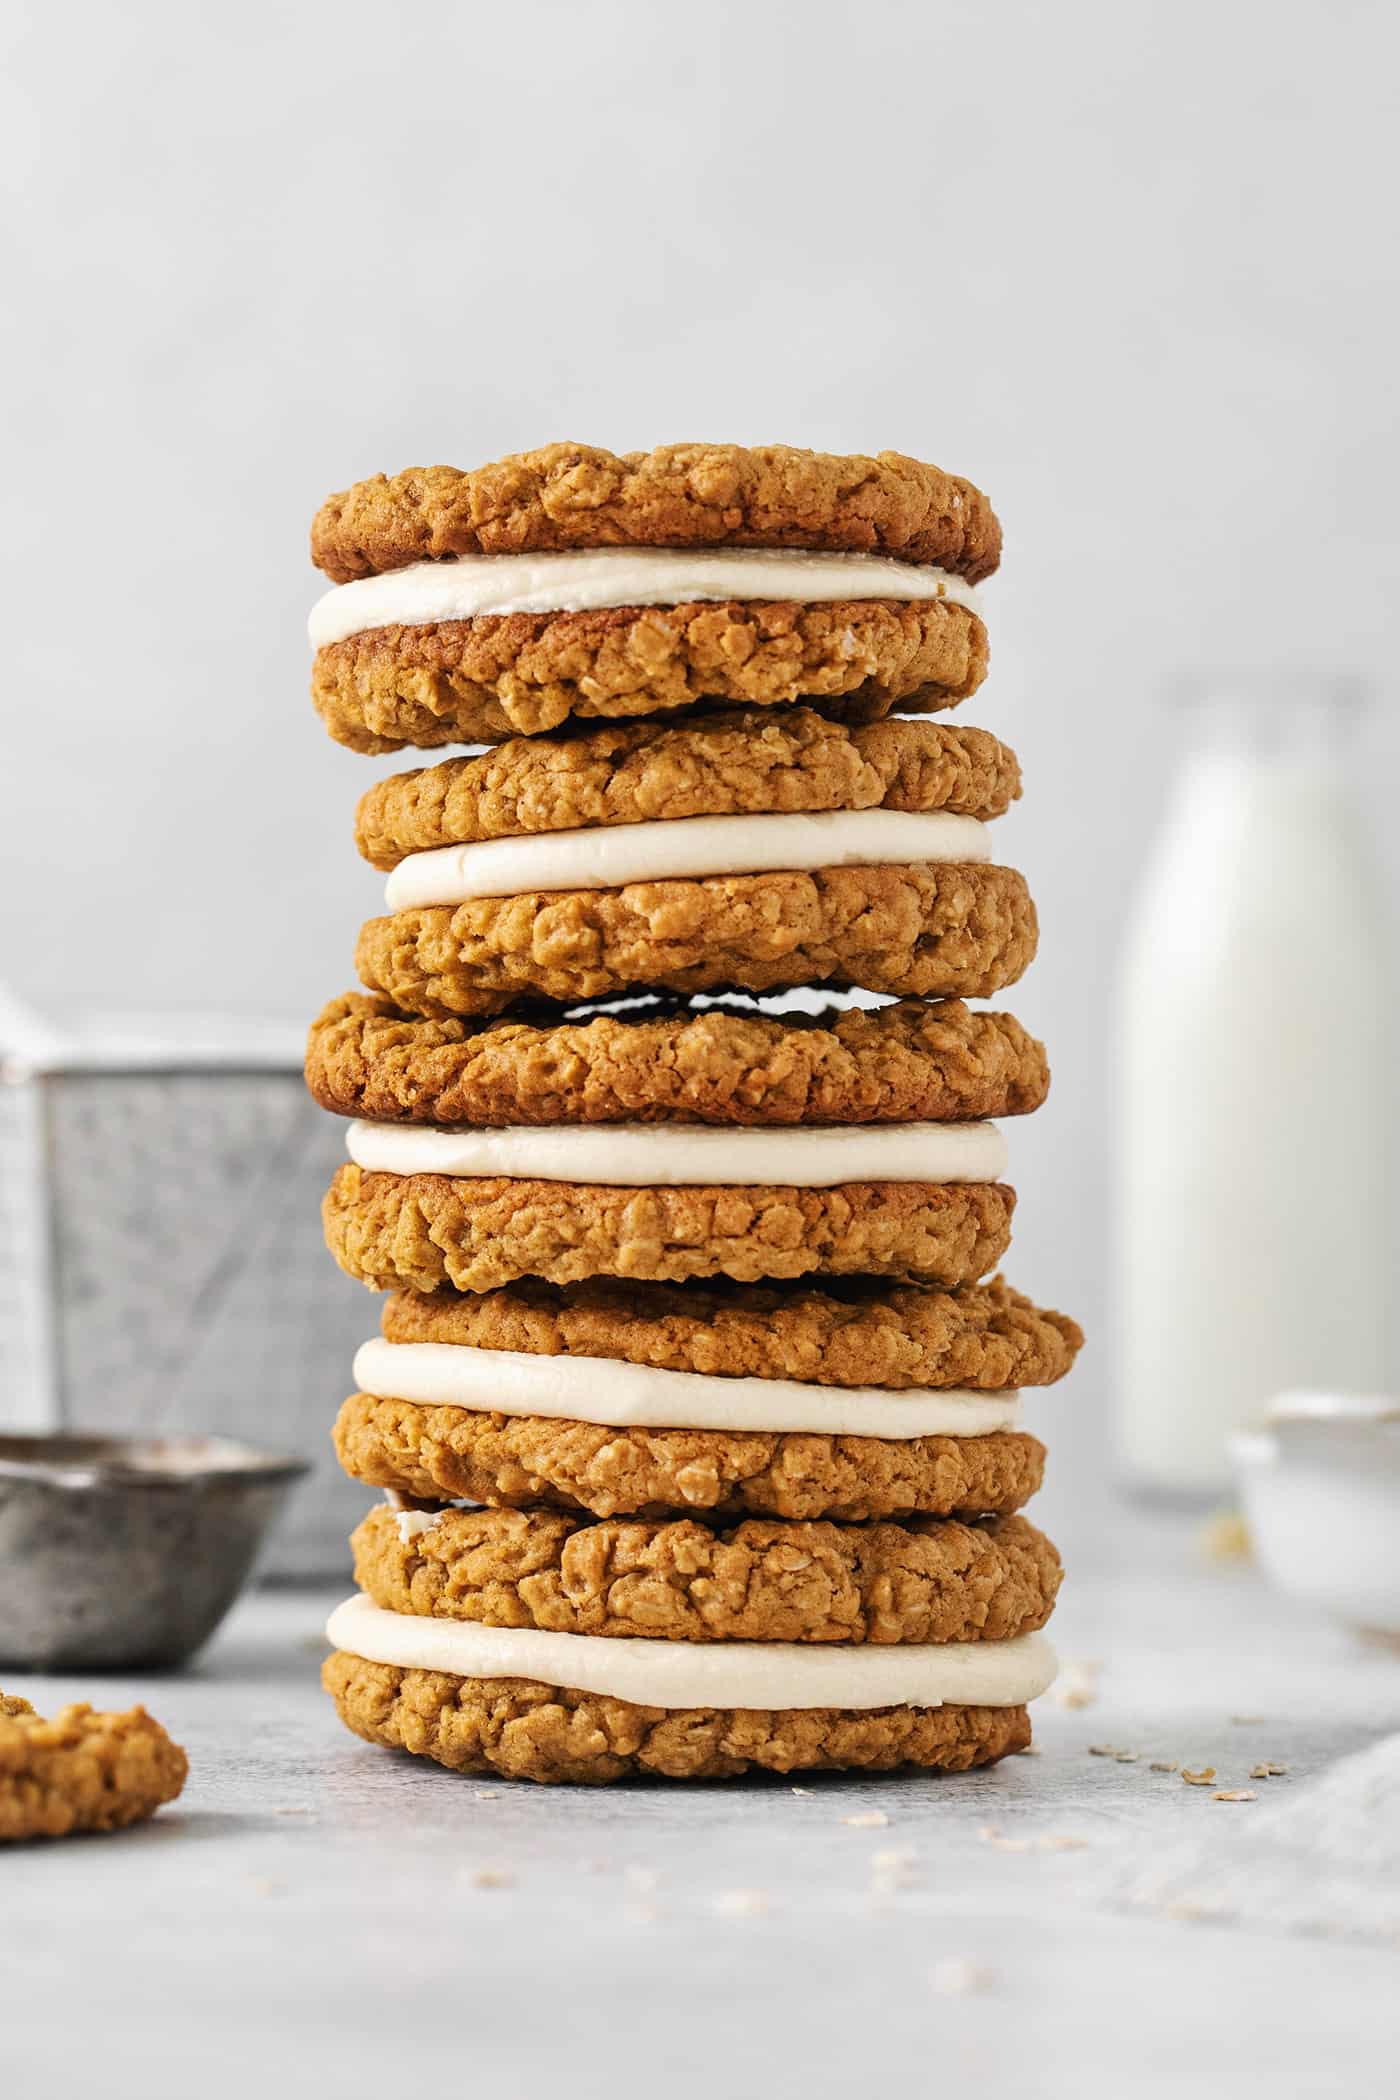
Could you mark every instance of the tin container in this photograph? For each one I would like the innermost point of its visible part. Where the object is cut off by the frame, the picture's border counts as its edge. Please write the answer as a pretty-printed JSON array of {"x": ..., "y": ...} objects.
[
  {"x": 162, "y": 1270},
  {"x": 125, "y": 1554}
]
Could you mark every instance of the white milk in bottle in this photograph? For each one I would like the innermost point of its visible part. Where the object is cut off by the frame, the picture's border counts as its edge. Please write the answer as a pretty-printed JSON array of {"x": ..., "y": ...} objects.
[{"x": 1254, "y": 1223}]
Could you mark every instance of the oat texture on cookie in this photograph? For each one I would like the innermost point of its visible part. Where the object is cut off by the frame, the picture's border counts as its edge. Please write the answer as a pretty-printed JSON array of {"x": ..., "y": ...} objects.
[
  {"x": 721, "y": 890},
  {"x": 82, "y": 1771}
]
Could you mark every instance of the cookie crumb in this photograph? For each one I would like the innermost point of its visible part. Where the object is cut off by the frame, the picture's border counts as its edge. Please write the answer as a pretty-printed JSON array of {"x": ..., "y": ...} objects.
[
  {"x": 740, "y": 1903},
  {"x": 1224, "y": 1537},
  {"x": 961, "y": 1978},
  {"x": 1077, "y": 1685},
  {"x": 487, "y": 1793},
  {"x": 868, "y": 1819},
  {"x": 892, "y": 1870},
  {"x": 892, "y": 1859},
  {"x": 1163, "y": 1764},
  {"x": 1267, "y": 1770},
  {"x": 492, "y": 1878},
  {"x": 991, "y": 1834},
  {"x": 1205, "y": 1777},
  {"x": 1238, "y": 1793}
]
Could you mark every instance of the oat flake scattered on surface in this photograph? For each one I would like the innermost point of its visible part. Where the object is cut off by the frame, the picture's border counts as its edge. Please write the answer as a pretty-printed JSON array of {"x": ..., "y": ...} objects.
[
  {"x": 1324, "y": 1859},
  {"x": 961, "y": 1979},
  {"x": 740, "y": 1903}
]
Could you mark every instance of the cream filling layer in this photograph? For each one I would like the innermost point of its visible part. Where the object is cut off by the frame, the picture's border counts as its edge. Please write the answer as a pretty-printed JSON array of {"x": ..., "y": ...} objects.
[
  {"x": 591, "y": 579},
  {"x": 761, "y": 1676},
  {"x": 609, "y": 856},
  {"x": 687, "y": 1155},
  {"x": 625, "y": 1396}
]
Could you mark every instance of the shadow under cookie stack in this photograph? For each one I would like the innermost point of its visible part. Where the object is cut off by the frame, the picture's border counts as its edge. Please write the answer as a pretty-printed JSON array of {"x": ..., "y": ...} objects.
[{"x": 696, "y": 1416}]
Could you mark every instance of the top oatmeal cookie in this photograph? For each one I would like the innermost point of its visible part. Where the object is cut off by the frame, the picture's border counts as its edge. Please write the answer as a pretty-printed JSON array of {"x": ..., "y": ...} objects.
[{"x": 564, "y": 496}]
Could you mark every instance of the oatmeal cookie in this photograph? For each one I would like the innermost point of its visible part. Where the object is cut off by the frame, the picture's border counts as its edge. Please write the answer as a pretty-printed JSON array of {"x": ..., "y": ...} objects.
[
  {"x": 568, "y": 495},
  {"x": 925, "y": 930},
  {"x": 923, "y": 1580},
  {"x": 82, "y": 1770},
  {"x": 724, "y": 1065},
  {"x": 518, "y": 1461},
  {"x": 421, "y": 1231},
  {"x": 500, "y": 675},
  {"x": 840, "y": 1333},
  {"x": 523, "y": 1730},
  {"x": 728, "y": 764}
]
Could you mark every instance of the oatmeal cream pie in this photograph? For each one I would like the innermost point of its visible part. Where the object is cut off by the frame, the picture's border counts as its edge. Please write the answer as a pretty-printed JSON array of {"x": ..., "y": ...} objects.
[
  {"x": 553, "y": 1648},
  {"x": 569, "y": 584},
  {"x": 846, "y": 1400},
  {"x": 729, "y": 854}
]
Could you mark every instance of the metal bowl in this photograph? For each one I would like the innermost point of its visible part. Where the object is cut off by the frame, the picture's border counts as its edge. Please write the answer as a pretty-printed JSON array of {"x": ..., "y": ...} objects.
[{"x": 126, "y": 1552}]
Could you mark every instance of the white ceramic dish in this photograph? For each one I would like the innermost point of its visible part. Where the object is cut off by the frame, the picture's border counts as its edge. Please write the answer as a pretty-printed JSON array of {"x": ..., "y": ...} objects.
[{"x": 1320, "y": 1485}]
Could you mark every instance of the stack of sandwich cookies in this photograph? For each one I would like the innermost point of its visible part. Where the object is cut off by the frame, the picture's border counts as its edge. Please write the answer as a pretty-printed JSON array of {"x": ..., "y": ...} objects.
[
  {"x": 640, "y": 1399},
  {"x": 689, "y": 1291},
  {"x": 688, "y": 1650},
  {"x": 509, "y": 600}
]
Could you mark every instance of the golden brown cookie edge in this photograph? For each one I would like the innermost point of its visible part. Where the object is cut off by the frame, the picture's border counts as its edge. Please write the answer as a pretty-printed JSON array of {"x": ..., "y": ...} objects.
[
  {"x": 732, "y": 762},
  {"x": 825, "y": 1332},
  {"x": 566, "y": 495},
  {"x": 912, "y": 1061},
  {"x": 422, "y": 1231},
  {"x": 519, "y": 1729},
  {"x": 524, "y": 675},
  {"x": 674, "y": 1579},
  {"x": 524, "y": 1461},
  {"x": 925, "y": 930}
]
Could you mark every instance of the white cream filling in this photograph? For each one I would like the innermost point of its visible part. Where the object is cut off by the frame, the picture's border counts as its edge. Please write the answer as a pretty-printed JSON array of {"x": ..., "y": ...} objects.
[
  {"x": 591, "y": 579},
  {"x": 624, "y": 1395},
  {"x": 413, "y": 1523},
  {"x": 608, "y": 856},
  {"x": 758, "y": 1676},
  {"x": 687, "y": 1155}
]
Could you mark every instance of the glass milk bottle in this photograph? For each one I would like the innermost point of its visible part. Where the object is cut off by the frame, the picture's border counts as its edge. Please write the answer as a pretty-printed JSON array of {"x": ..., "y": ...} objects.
[{"x": 1253, "y": 1231}]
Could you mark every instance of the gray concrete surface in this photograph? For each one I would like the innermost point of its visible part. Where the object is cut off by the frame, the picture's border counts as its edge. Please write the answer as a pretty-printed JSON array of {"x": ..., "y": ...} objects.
[{"x": 316, "y": 1916}]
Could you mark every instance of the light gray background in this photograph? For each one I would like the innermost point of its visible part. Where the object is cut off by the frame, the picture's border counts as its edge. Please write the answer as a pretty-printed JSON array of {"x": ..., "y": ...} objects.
[{"x": 1130, "y": 266}]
